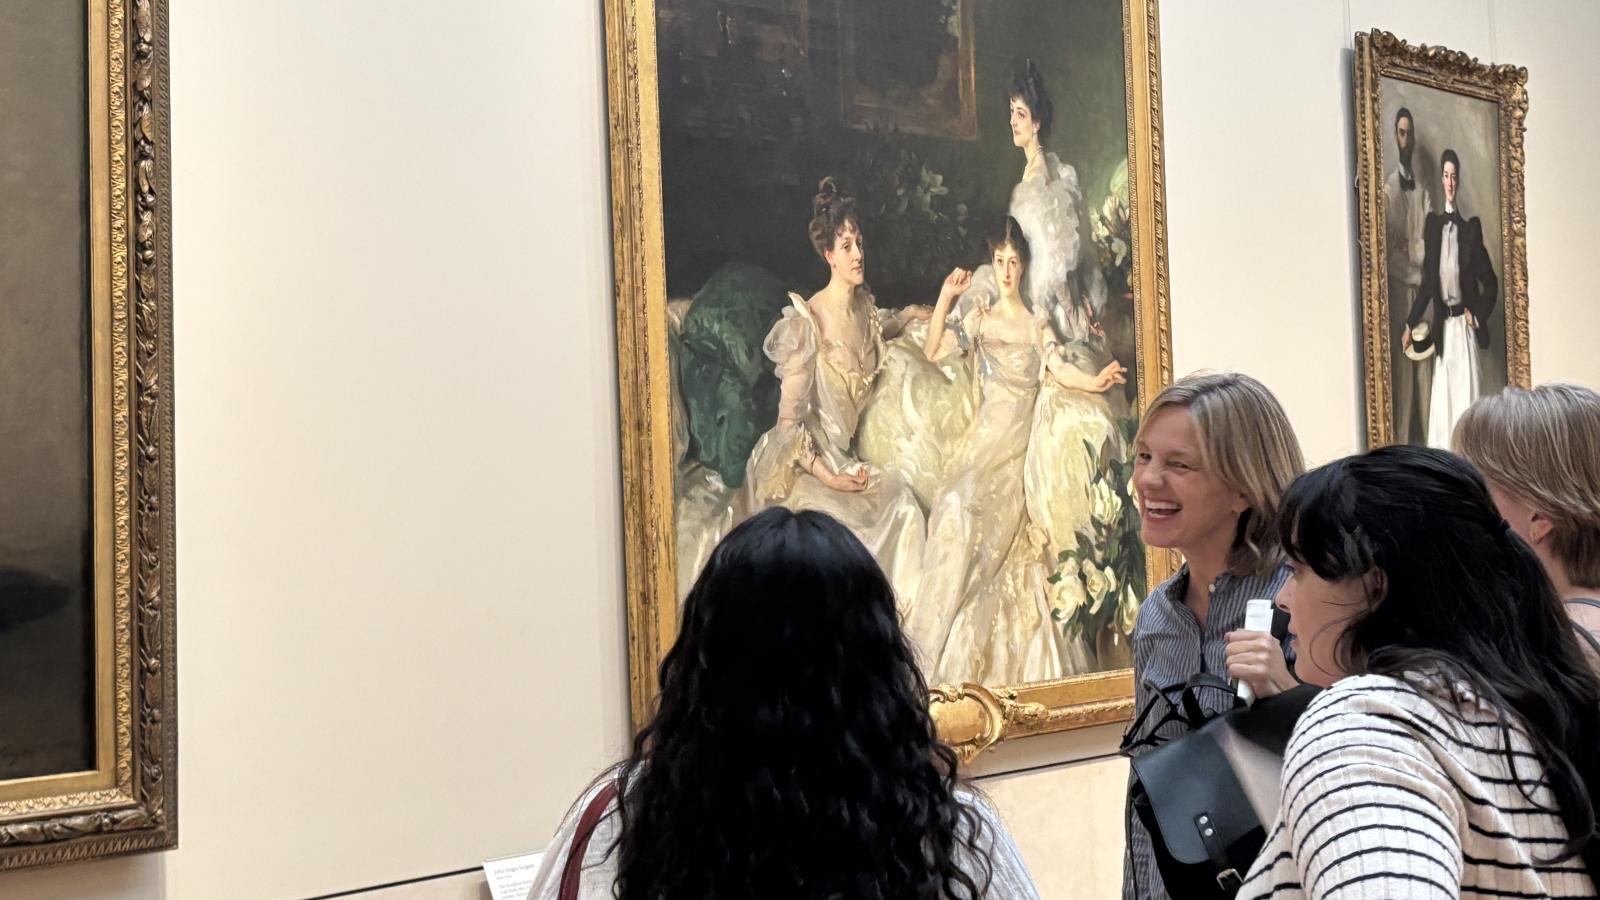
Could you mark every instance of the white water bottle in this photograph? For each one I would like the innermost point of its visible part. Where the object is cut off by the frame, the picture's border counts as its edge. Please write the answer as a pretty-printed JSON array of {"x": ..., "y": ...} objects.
[{"x": 1257, "y": 617}]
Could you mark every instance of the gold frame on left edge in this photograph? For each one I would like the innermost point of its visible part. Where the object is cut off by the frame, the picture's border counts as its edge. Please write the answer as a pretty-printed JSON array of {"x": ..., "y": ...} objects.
[
  {"x": 971, "y": 717},
  {"x": 128, "y": 802}
]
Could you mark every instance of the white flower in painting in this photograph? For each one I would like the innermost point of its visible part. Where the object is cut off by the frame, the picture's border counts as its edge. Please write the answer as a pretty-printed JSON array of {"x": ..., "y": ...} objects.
[
  {"x": 1096, "y": 582},
  {"x": 930, "y": 184},
  {"x": 1129, "y": 613},
  {"x": 1111, "y": 588},
  {"x": 1106, "y": 504},
  {"x": 1067, "y": 595},
  {"x": 1132, "y": 494},
  {"x": 1069, "y": 569},
  {"x": 1113, "y": 212}
]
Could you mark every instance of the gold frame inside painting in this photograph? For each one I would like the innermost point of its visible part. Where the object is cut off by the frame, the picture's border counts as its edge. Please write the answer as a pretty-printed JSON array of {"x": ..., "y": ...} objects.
[
  {"x": 127, "y": 802},
  {"x": 1380, "y": 55},
  {"x": 971, "y": 717}
]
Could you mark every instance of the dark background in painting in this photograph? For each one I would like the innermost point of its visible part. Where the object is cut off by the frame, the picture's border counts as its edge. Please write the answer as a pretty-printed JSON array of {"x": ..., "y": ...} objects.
[
  {"x": 1471, "y": 127},
  {"x": 752, "y": 119},
  {"x": 46, "y": 621}
]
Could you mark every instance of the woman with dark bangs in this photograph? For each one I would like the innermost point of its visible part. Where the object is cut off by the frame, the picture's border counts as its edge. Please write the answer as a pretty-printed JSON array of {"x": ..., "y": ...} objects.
[
  {"x": 792, "y": 754},
  {"x": 1454, "y": 753}
]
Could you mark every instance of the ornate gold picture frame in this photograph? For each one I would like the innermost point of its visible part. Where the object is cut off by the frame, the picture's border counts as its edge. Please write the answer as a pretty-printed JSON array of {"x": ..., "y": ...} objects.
[
  {"x": 778, "y": 52},
  {"x": 116, "y": 208},
  {"x": 1453, "y": 114}
]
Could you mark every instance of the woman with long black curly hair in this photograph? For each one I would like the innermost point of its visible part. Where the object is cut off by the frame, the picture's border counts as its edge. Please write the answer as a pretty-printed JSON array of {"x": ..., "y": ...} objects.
[{"x": 792, "y": 754}]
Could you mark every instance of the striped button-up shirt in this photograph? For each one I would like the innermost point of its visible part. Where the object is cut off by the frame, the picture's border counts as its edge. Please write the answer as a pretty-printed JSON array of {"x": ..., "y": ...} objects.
[{"x": 1169, "y": 647}]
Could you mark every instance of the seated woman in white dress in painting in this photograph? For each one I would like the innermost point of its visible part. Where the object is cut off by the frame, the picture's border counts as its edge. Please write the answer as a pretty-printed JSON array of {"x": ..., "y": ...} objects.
[
  {"x": 981, "y": 613},
  {"x": 828, "y": 351}
]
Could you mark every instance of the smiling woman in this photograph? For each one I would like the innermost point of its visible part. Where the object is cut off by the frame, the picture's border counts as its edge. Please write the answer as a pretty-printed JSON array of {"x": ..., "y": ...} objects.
[{"x": 1213, "y": 458}]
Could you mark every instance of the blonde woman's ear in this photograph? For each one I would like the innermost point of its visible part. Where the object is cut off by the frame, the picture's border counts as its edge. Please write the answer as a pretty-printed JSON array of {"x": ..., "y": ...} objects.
[{"x": 1539, "y": 528}]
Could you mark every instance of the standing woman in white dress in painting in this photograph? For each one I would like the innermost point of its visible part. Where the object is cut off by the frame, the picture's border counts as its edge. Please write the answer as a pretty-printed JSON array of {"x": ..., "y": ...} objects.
[
  {"x": 981, "y": 613},
  {"x": 828, "y": 352},
  {"x": 1459, "y": 283},
  {"x": 1064, "y": 284}
]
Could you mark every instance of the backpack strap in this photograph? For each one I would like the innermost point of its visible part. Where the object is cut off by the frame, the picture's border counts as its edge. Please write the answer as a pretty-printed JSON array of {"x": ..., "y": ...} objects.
[
  {"x": 1159, "y": 696},
  {"x": 1186, "y": 710},
  {"x": 1191, "y": 697},
  {"x": 572, "y": 873}
]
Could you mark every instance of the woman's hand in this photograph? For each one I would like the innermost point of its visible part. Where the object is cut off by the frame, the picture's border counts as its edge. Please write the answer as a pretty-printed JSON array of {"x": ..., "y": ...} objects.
[
  {"x": 954, "y": 286},
  {"x": 844, "y": 482},
  {"x": 1472, "y": 320},
  {"x": 1113, "y": 374},
  {"x": 916, "y": 313},
  {"x": 1256, "y": 658}
]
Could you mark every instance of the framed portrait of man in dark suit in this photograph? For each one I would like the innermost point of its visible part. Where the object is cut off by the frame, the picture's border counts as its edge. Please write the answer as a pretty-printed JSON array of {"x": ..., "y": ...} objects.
[{"x": 1442, "y": 232}]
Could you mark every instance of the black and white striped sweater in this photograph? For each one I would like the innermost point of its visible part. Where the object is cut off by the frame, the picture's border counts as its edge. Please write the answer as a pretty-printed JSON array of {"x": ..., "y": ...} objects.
[{"x": 1386, "y": 794}]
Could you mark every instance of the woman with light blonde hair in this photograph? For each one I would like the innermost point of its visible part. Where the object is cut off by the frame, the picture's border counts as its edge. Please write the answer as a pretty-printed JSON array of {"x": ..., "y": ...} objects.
[
  {"x": 1213, "y": 457},
  {"x": 1539, "y": 449}
]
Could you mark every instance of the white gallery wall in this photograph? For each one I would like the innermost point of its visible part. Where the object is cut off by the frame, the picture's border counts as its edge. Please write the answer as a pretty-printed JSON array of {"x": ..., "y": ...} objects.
[{"x": 401, "y": 630}]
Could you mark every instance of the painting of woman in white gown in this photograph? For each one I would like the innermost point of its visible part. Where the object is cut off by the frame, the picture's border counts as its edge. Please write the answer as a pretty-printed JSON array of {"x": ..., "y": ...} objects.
[
  {"x": 923, "y": 322},
  {"x": 987, "y": 552}
]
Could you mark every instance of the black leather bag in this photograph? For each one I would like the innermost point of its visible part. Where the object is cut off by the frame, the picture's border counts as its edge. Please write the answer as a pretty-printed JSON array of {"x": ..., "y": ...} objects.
[{"x": 1207, "y": 797}]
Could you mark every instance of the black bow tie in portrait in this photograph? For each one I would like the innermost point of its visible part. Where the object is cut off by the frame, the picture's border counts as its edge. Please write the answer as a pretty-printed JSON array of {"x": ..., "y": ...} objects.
[{"x": 1453, "y": 217}]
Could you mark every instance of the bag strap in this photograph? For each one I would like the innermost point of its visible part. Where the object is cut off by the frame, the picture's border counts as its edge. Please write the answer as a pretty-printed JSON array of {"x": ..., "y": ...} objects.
[
  {"x": 1191, "y": 699},
  {"x": 1228, "y": 878},
  {"x": 1185, "y": 710},
  {"x": 572, "y": 873},
  {"x": 1588, "y": 636},
  {"x": 1159, "y": 696}
]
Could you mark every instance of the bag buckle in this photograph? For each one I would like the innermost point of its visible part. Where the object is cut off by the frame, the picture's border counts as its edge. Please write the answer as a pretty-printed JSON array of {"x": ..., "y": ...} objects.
[{"x": 1227, "y": 876}]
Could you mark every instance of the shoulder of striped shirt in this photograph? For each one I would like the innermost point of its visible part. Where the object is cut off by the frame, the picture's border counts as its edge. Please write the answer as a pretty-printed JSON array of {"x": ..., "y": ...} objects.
[
  {"x": 1411, "y": 697},
  {"x": 1433, "y": 711}
]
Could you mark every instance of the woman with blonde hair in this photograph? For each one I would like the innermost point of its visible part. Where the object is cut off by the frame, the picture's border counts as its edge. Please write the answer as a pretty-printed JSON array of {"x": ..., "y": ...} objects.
[
  {"x": 1213, "y": 457},
  {"x": 1539, "y": 450}
]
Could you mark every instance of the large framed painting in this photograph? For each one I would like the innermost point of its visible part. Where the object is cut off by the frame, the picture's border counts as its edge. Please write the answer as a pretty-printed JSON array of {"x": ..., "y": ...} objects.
[
  {"x": 901, "y": 261},
  {"x": 88, "y": 737},
  {"x": 1444, "y": 266}
]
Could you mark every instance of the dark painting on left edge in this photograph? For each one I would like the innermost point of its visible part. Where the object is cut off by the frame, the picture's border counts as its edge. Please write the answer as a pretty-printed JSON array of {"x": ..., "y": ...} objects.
[
  {"x": 46, "y": 530},
  {"x": 88, "y": 663}
]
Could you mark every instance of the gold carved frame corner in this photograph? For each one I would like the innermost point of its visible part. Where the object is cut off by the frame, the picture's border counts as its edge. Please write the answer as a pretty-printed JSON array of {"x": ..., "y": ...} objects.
[
  {"x": 972, "y": 718},
  {"x": 128, "y": 802},
  {"x": 1380, "y": 55}
]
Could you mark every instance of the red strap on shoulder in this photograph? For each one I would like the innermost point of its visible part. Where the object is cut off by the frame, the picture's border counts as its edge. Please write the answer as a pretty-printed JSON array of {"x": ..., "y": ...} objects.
[{"x": 572, "y": 875}]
